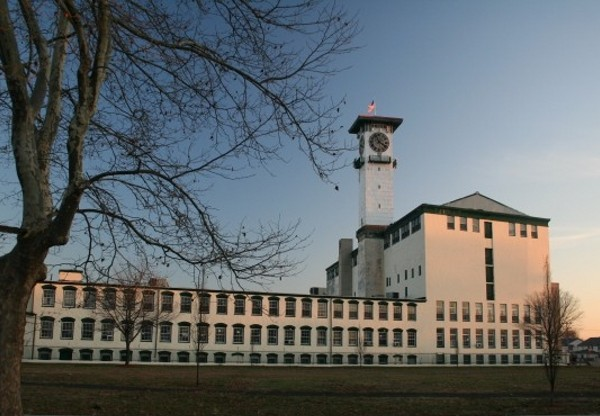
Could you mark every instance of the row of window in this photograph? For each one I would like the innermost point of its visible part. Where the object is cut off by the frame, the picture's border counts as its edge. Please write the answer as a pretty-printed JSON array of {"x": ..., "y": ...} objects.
[
  {"x": 466, "y": 312},
  {"x": 402, "y": 231},
  {"x": 463, "y": 225},
  {"x": 290, "y": 358},
  {"x": 419, "y": 272},
  {"x": 479, "y": 338},
  {"x": 111, "y": 299},
  {"x": 355, "y": 337}
]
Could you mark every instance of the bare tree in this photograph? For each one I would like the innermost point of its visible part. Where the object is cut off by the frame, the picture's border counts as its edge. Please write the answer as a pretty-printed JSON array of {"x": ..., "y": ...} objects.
[
  {"x": 555, "y": 314},
  {"x": 135, "y": 306},
  {"x": 122, "y": 116}
]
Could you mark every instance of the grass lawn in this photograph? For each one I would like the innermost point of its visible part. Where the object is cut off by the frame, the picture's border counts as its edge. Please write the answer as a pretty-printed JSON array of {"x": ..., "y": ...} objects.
[{"x": 78, "y": 389}]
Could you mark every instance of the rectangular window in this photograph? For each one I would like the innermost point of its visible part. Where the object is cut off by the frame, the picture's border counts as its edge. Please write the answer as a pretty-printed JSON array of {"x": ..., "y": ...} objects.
[
  {"x": 397, "y": 338},
  {"x": 489, "y": 291},
  {"x": 453, "y": 311},
  {"x": 466, "y": 312},
  {"x": 274, "y": 307},
  {"x": 337, "y": 337},
  {"x": 166, "y": 302},
  {"x": 205, "y": 303},
  {"x": 257, "y": 306},
  {"x": 184, "y": 333},
  {"x": 322, "y": 336},
  {"x": 239, "y": 306},
  {"x": 466, "y": 338},
  {"x": 523, "y": 230},
  {"x": 186, "y": 304},
  {"x": 450, "y": 222},
  {"x": 147, "y": 301},
  {"x": 534, "y": 231},
  {"x": 503, "y": 313},
  {"x": 487, "y": 229},
  {"x": 440, "y": 338},
  {"x": 515, "y": 314},
  {"x": 512, "y": 230},
  {"x": 411, "y": 341},
  {"x": 146, "y": 333},
  {"x": 503, "y": 338},
  {"x": 306, "y": 308},
  {"x": 383, "y": 311},
  {"x": 322, "y": 309},
  {"x": 47, "y": 330},
  {"x": 66, "y": 329},
  {"x": 368, "y": 337},
  {"x": 412, "y": 312},
  {"x": 222, "y": 305},
  {"x": 479, "y": 312},
  {"x": 453, "y": 338},
  {"x": 304, "y": 336},
  {"x": 68, "y": 298},
  {"x": 491, "y": 313},
  {"x": 463, "y": 223},
  {"x": 220, "y": 334},
  {"x": 289, "y": 335},
  {"x": 89, "y": 299},
  {"x": 397, "y": 311},
  {"x": 475, "y": 225},
  {"x": 203, "y": 333},
  {"x": 353, "y": 310},
  {"x": 479, "y": 338},
  {"x": 439, "y": 307},
  {"x": 491, "y": 338},
  {"x": 489, "y": 257},
  {"x": 165, "y": 332},
  {"x": 48, "y": 297},
  {"x": 527, "y": 314},
  {"x": 368, "y": 310},
  {"x": 238, "y": 334},
  {"x": 107, "y": 331},
  {"x": 290, "y": 308},
  {"x": 338, "y": 310},
  {"x": 383, "y": 337},
  {"x": 272, "y": 335},
  {"x": 87, "y": 330},
  {"x": 527, "y": 339},
  {"x": 352, "y": 337},
  {"x": 516, "y": 339}
]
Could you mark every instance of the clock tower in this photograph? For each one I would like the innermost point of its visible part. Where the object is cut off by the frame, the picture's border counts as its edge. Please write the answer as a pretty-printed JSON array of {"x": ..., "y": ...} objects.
[{"x": 375, "y": 165}]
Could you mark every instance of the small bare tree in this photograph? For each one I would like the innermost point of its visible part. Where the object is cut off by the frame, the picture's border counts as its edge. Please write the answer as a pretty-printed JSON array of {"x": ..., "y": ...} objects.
[
  {"x": 132, "y": 308},
  {"x": 555, "y": 314}
]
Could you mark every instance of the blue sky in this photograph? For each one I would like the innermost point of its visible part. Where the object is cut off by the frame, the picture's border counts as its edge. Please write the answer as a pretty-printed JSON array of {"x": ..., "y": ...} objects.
[{"x": 497, "y": 97}]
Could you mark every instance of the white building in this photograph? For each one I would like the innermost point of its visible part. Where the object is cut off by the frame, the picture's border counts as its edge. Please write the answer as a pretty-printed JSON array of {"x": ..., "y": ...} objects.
[{"x": 445, "y": 284}]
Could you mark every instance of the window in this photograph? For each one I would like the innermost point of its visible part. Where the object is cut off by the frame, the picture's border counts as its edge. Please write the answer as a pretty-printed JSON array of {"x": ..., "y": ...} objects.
[
  {"x": 491, "y": 338},
  {"x": 166, "y": 302},
  {"x": 322, "y": 336},
  {"x": 453, "y": 311},
  {"x": 503, "y": 338},
  {"x": 523, "y": 230},
  {"x": 202, "y": 329},
  {"x": 256, "y": 306},
  {"x": 338, "y": 309},
  {"x": 204, "y": 300},
  {"x": 89, "y": 298},
  {"x": 109, "y": 299},
  {"x": 239, "y": 305},
  {"x": 405, "y": 231},
  {"x": 503, "y": 313},
  {"x": 185, "y": 300},
  {"x": 516, "y": 339},
  {"x": 527, "y": 339},
  {"x": 338, "y": 334},
  {"x": 305, "y": 335},
  {"x": 184, "y": 332},
  {"x": 411, "y": 338},
  {"x": 440, "y": 338},
  {"x": 255, "y": 334},
  {"x": 397, "y": 335},
  {"x": 515, "y": 314},
  {"x": 383, "y": 337},
  {"x": 397, "y": 311},
  {"x": 274, "y": 306},
  {"x": 527, "y": 314},
  {"x": 466, "y": 334},
  {"x": 489, "y": 256},
  {"x": 220, "y": 334},
  {"x": 368, "y": 306},
  {"x": 450, "y": 222},
  {"x": 353, "y": 310},
  {"x": 147, "y": 301},
  {"x": 479, "y": 338},
  {"x": 487, "y": 229},
  {"x": 475, "y": 225},
  {"x": 69, "y": 297},
  {"x": 67, "y": 326},
  {"x": 453, "y": 338},
  {"x": 107, "y": 330},
  {"x": 352, "y": 337},
  {"x": 238, "y": 334},
  {"x": 534, "y": 231},
  {"x": 47, "y": 327},
  {"x": 415, "y": 224},
  {"x": 463, "y": 223},
  {"x": 290, "y": 307},
  {"x": 466, "y": 311},
  {"x": 272, "y": 335},
  {"x": 383, "y": 311},
  {"x": 165, "y": 331},
  {"x": 146, "y": 331},
  {"x": 289, "y": 335},
  {"x": 48, "y": 296},
  {"x": 306, "y": 308},
  {"x": 479, "y": 312},
  {"x": 491, "y": 313},
  {"x": 368, "y": 337},
  {"x": 512, "y": 229},
  {"x": 222, "y": 304},
  {"x": 87, "y": 329},
  {"x": 412, "y": 312},
  {"x": 322, "y": 309},
  {"x": 439, "y": 310}
]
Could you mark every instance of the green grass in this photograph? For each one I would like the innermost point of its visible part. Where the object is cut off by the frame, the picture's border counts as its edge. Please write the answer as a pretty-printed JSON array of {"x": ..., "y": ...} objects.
[{"x": 63, "y": 389}]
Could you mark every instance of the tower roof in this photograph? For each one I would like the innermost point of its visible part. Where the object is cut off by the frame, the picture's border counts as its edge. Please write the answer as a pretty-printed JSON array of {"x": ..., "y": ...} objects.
[{"x": 360, "y": 120}]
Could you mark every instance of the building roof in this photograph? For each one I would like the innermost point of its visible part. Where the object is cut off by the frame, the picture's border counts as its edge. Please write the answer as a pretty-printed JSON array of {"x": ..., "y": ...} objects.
[
  {"x": 590, "y": 342},
  {"x": 481, "y": 202},
  {"x": 360, "y": 120}
]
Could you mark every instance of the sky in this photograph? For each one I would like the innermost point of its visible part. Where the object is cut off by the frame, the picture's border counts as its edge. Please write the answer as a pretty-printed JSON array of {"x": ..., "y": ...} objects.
[{"x": 497, "y": 97}]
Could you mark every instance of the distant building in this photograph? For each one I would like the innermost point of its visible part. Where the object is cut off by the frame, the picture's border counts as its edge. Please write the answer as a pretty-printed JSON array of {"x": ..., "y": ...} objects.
[{"x": 445, "y": 284}]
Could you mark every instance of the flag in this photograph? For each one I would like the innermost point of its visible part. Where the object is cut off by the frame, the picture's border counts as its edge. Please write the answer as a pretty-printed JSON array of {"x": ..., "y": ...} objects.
[{"x": 371, "y": 107}]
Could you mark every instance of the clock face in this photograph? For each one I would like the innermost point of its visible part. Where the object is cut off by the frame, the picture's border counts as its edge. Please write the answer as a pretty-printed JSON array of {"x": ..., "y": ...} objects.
[{"x": 379, "y": 142}]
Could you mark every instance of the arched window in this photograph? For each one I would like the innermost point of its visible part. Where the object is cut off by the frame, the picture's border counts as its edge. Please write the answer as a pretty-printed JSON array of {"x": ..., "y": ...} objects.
[
  {"x": 305, "y": 335},
  {"x": 382, "y": 337},
  {"x": 146, "y": 331},
  {"x": 164, "y": 356},
  {"x": 44, "y": 354},
  {"x": 109, "y": 298},
  {"x": 220, "y": 333},
  {"x": 183, "y": 357},
  {"x": 65, "y": 354},
  {"x": 86, "y": 354},
  {"x": 184, "y": 332},
  {"x": 145, "y": 356},
  {"x": 255, "y": 334},
  {"x": 289, "y": 335},
  {"x": 47, "y": 327},
  {"x": 257, "y": 305},
  {"x": 89, "y": 298},
  {"x": 238, "y": 334},
  {"x": 67, "y": 328},
  {"x": 48, "y": 295},
  {"x": 411, "y": 338},
  {"x": 69, "y": 296},
  {"x": 87, "y": 329},
  {"x": 185, "y": 302},
  {"x": 166, "y": 329},
  {"x": 166, "y": 301}
]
